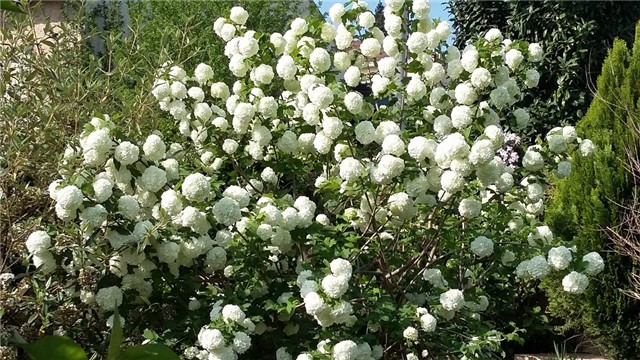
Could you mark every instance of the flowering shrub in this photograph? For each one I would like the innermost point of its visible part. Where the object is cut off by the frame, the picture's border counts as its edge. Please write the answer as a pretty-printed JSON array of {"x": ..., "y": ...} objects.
[{"x": 320, "y": 222}]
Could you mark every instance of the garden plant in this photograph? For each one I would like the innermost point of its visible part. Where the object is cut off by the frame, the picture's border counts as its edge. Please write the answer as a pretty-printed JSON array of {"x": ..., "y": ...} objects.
[{"x": 299, "y": 218}]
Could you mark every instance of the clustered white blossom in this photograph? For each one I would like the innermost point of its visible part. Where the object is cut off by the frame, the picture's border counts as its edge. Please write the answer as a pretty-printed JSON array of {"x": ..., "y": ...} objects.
[{"x": 317, "y": 204}]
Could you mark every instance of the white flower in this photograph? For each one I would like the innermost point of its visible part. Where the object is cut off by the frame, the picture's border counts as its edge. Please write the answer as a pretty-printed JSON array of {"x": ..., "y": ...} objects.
[
  {"x": 481, "y": 78},
  {"x": 532, "y": 78},
  {"x": 229, "y": 146},
  {"x": 387, "y": 66},
  {"x": 532, "y": 160},
  {"x": 226, "y": 211},
  {"x": 320, "y": 60},
  {"x": 336, "y": 11},
  {"x": 328, "y": 32},
  {"x": 416, "y": 89},
  {"x": 109, "y": 298},
  {"x": 513, "y": 58},
  {"x": 393, "y": 24},
  {"x": 507, "y": 257},
  {"x": 203, "y": 73},
  {"x": 452, "y": 182},
  {"x": 321, "y": 96},
  {"x": 557, "y": 143},
  {"x": 344, "y": 38},
  {"x": 126, "y": 153},
  {"x": 335, "y": 286},
  {"x": 38, "y": 242},
  {"x": 170, "y": 202},
  {"x": 211, "y": 339},
  {"x": 238, "y": 15},
  {"x": 241, "y": 342},
  {"x": 152, "y": 179},
  {"x": 564, "y": 169},
  {"x": 500, "y": 97},
  {"x": 401, "y": 205},
  {"x": 417, "y": 42},
  {"x": 352, "y": 76},
  {"x": 341, "y": 60},
  {"x": 345, "y": 350},
  {"x": 538, "y": 267},
  {"x": 286, "y": 67},
  {"x": 351, "y": 169},
  {"x": 435, "y": 278},
  {"x": 481, "y": 152},
  {"x": 465, "y": 94},
  {"x": 452, "y": 300},
  {"x": 353, "y": 101},
  {"x": 263, "y": 74},
  {"x": 154, "y": 148},
  {"x": 233, "y": 313},
  {"x": 393, "y": 144},
  {"x": 410, "y": 333},
  {"x": 559, "y": 257},
  {"x": 370, "y": 47},
  {"x": 587, "y": 148},
  {"x": 595, "y": 264},
  {"x": 575, "y": 283},
  {"x": 196, "y": 187},
  {"x": 216, "y": 258},
  {"x": 94, "y": 216},
  {"x": 420, "y": 148},
  {"x": 469, "y": 208},
  {"x": 428, "y": 322},
  {"x": 469, "y": 59},
  {"x": 313, "y": 303},
  {"x": 332, "y": 127},
  {"x": 128, "y": 206},
  {"x": 535, "y": 52},
  {"x": 461, "y": 116},
  {"x": 341, "y": 267},
  {"x": 69, "y": 198},
  {"x": 366, "y": 19},
  {"x": 365, "y": 132},
  {"x": 299, "y": 26},
  {"x": 493, "y": 35},
  {"x": 482, "y": 246}
]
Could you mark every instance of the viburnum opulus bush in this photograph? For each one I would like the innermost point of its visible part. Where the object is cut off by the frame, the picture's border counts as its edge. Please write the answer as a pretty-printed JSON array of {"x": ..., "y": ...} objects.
[{"x": 318, "y": 221}]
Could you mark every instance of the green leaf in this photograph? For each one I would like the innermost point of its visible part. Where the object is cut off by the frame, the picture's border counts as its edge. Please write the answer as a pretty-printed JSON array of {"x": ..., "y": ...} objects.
[
  {"x": 9, "y": 5},
  {"x": 148, "y": 351},
  {"x": 116, "y": 337},
  {"x": 54, "y": 347}
]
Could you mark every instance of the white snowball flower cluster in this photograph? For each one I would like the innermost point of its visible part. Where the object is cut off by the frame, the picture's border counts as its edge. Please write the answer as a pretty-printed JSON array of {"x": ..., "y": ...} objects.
[
  {"x": 482, "y": 246},
  {"x": 575, "y": 283},
  {"x": 452, "y": 300}
]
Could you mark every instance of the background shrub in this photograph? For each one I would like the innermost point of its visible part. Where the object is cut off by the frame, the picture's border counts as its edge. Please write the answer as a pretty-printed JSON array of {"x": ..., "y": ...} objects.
[
  {"x": 587, "y": 202},
  {"x": 575, "y": 36}
]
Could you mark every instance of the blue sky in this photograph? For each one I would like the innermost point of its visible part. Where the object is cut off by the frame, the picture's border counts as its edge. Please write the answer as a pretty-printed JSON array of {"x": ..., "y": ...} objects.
[{"x": 437, "y": 7}]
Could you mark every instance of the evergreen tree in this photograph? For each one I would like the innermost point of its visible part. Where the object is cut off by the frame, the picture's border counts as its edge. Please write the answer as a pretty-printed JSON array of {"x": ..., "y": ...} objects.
[{"x": 379, "y": 14}]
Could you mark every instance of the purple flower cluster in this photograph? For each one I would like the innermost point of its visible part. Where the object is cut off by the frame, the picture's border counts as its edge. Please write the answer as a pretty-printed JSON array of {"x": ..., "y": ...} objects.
[{"x": 509, "y": 150}]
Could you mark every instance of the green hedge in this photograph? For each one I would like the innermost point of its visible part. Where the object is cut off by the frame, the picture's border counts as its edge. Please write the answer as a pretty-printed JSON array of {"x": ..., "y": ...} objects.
[{"x": 586, "y": 203}]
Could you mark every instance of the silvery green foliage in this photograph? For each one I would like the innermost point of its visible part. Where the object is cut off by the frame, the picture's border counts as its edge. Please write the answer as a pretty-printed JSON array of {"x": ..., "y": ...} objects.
[{"x": 326, "y": 221}]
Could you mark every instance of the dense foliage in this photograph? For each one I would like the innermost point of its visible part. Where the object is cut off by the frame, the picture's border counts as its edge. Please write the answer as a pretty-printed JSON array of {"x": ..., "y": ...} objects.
[
  {"x": 575, "y": 36},
  {"x": 300, "y": 217},
  {"x": 164, "y": 22},
  {"x": 589, "y": 201}
]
